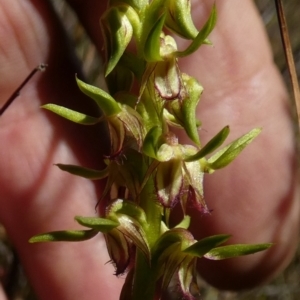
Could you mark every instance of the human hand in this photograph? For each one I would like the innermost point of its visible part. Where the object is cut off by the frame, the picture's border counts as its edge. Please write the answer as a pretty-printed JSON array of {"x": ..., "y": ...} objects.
[
  {"x": 253, "y": 199},
  {"x": 256, "y": 197}
]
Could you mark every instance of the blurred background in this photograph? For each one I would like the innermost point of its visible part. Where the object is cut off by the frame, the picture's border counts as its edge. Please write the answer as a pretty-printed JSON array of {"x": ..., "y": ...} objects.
[{"x": 287, "y": 285}]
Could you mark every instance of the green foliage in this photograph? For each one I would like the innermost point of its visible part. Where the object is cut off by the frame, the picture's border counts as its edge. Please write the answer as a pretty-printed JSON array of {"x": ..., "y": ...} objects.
[{"x": 148, "y": 171}]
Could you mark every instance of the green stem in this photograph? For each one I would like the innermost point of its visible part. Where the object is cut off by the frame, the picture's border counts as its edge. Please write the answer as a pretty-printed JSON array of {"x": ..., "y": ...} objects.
[
  {"x": 153, "y": 211},
  {"x": 144, "y": 283}
]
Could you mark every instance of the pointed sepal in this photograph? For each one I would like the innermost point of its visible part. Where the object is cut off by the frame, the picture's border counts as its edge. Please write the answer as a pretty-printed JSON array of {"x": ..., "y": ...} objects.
[
  {"x": 201, "y": 247},
  {"x": 84, "y": 172},
  {"x": 152, "y": 25},
  {"x": 64, "y": 236},
  {"x": 117, "y": 31},
  {"x": 179, "y": 19},
  {"x": 226, "y": 155},
  {"x": 132, "y": 220},
  {"x": 231, "y": 251},
  {"x": 71, "y": 115},
  {"x": 212, "y": 145},
  {"x": 120, "y": 250},
  {"x": 100, "y": 224},
  {"x": 104, "y": 101}
]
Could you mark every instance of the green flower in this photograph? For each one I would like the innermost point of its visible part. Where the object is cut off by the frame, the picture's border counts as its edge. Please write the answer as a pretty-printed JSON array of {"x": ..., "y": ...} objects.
[
  {"x": 176, "y": 179},
  {"x": 122, "y": 240},
  {"x": 176, "y": 253}
]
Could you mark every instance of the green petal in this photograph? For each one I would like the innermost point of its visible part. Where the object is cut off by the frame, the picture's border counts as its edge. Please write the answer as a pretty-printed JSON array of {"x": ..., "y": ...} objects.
[
  {"x": 184, "y": 108},
  {"x": 167, "y": 80},
  {"x": 130, "y": 209},
  {"x": 71, "y": 115},
  {"x": 64, "y": 236},
  {"x": 84, "y": 172},
  {"x": 169, "y": 182},
  {"x": 120, "y": 250},
  {"x": 133, "y": 230},
  {"x": 185, "y": 222},
  {"x": 133, "y": 123},
  {"x": 178, "y": 236},
  {"x": 189, "y": 106},
  {"x": 226, "y": 155},
  {"x": 100, "y": 224},
  {"x": 151, "y": 141},
  {"x": 118, "y": 32},
  {"x": 168, "y": 255},
  {"x": 201, "y": 38},
  {"x": 152, "y": 46},
  {"x": 194, "y": 179},
  {"x": 187, "y": 277},
  {"x": 179, "y": 19},
  {"x": 117, "y": 134},
  {"x": 169, "y": 263},
  {"x": 205, "y": 245},
  {"x": 212, "y": 145},
  {"x": 230, "y": 251},
  {"x": 154, "y": 15},
  {"x": 132, "y": 220},
  {"x": 105, "y": 102}
]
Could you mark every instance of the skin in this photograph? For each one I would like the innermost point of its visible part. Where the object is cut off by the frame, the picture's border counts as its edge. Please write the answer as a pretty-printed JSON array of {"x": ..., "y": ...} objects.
[{"x": 254, "y": 199}]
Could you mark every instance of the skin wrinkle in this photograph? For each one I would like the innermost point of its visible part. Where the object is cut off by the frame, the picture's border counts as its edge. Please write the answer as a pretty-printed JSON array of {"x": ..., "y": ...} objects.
[
  {"x": 16, "y": 17},
  {"x": 233, "y": 101},
  {"x": 15, "y": 24},
  {"x": 4, "y": 50},
  {"x": 30, "y": 155}
]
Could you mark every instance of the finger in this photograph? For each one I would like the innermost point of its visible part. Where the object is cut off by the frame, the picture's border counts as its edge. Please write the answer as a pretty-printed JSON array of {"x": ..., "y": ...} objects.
[
  {"x": 254, "y": 198},
  {"x": 34, "y": 196},
  {"x": 2, "y": 294}
]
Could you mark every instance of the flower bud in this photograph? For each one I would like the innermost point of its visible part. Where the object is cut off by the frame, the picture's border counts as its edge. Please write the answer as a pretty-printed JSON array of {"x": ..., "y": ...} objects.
[
  {"x": 179, "y": 19},
  {"x": 117, "y": 31}
]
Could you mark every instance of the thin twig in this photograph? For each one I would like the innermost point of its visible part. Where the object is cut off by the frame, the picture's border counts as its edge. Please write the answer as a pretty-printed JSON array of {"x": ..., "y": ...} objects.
[
  {"x": 16, "y": 93},
  {"x": 288, "y": 55}
]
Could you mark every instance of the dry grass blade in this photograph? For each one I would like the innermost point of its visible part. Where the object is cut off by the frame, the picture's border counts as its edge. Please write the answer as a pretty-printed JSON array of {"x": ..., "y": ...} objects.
[
  {"x": 288, "y": 54},
  {"x": 16, "y": 93}
]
